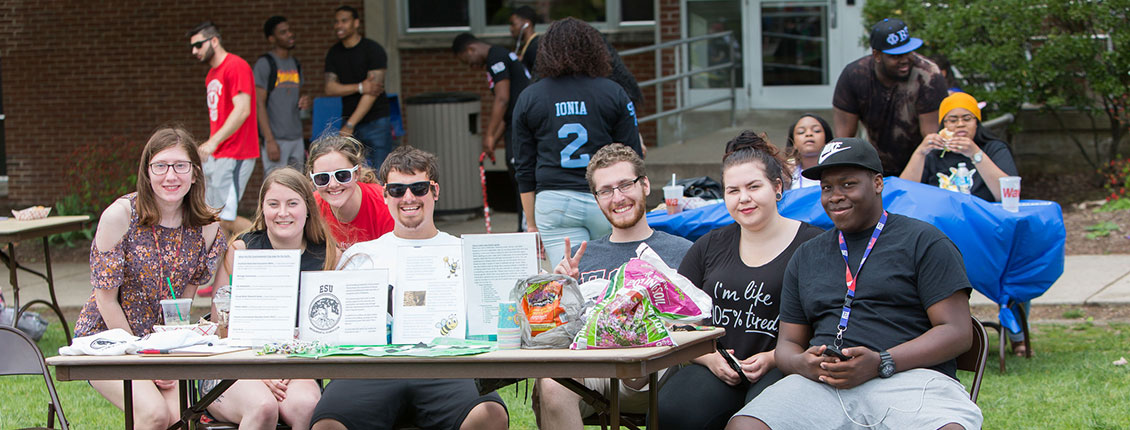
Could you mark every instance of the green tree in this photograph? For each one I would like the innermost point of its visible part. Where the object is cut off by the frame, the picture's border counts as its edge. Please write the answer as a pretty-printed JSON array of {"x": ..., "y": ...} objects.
[{"x": 1060, "y": 55}]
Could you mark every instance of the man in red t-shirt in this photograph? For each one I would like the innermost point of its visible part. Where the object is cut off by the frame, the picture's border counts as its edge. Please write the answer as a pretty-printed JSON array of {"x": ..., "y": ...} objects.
[{"x": 229, "y": 154}]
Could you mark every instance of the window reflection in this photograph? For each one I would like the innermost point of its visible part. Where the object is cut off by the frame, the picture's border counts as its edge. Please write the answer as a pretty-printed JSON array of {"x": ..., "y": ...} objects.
[
  {"x": 794, "y": 44},
  {"x": 713, "y": 16},
  {"x": 438, "y": 13},
  {"x": 498, "y": 11}
]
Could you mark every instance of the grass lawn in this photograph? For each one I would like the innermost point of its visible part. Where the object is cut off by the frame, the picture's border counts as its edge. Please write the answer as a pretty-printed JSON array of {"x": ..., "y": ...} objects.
[{"x": 1071, "y": 383}]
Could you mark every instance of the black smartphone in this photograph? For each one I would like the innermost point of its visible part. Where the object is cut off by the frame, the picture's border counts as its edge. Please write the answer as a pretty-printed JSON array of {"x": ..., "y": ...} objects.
[
  {"x": 733, "y": 362},
  {"x": 832, "y": 351}
]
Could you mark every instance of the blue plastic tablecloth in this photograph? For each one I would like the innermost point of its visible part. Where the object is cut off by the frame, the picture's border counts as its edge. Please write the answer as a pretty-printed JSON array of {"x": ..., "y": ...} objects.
[{"x": 1008, "y": 256}]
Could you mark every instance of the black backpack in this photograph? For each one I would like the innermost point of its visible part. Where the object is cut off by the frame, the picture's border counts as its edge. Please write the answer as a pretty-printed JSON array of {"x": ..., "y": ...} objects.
[{"x": 274, "y": 74}]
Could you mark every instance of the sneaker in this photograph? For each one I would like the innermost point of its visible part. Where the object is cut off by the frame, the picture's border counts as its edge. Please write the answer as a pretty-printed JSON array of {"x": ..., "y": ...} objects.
[{"x": 204, "y": 291}]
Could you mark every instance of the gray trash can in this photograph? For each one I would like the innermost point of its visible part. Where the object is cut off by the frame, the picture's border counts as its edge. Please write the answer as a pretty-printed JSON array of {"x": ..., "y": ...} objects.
[{"x": 447, "y": 124}]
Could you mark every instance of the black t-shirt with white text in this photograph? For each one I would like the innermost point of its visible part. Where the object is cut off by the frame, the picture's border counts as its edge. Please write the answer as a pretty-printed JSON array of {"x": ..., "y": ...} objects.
[
  {"x": 352, "y": 66},
  {"x": 560, "y": 122},
  {"x": 912, "y": 266},
  {"x": 746, "y": 299},
  {"x": 504, "y": 65}
]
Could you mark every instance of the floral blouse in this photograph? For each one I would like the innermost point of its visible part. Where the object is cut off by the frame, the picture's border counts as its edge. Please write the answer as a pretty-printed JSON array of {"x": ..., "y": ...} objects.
[{"x": 138, "y": 265}]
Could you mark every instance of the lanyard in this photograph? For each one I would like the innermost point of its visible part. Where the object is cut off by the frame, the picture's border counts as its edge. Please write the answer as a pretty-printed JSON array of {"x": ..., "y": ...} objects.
[{"x": 850, "y": 279}]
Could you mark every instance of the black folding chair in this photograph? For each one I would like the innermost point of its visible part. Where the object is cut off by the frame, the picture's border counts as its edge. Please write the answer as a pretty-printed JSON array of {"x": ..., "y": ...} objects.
[{"x": 20, "y": 356}]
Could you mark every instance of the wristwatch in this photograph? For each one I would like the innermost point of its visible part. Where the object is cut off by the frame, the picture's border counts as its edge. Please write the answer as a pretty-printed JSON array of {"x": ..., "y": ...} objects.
[
  {"x": 980, "y": 155},
  {"x": 886, "y": 364}
]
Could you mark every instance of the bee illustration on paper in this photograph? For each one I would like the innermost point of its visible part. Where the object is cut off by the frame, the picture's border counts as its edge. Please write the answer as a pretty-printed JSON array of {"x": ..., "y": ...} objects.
[
  {"x": 448, "y": 324},
  {"x": 452, "y": 266}
]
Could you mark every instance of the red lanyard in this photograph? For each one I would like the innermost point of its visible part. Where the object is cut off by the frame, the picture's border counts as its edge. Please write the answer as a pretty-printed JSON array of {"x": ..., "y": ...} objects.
[
  {"x": 850, "y": 279},
  {"x": 176, "y": 257}
]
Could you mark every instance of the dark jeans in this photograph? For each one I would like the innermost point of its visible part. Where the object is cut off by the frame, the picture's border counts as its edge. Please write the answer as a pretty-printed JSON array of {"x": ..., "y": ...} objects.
[
  {"x": 376, "y": 135},
  {"x": 696, "y": 399}
]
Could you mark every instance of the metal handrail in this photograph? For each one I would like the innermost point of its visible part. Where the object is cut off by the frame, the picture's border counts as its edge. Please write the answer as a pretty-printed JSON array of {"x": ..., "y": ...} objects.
[{"x": 731, "y": 65}]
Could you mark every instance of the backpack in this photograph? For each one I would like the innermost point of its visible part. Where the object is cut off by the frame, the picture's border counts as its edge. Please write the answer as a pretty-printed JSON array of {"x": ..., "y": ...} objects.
[{"x": 273, "y": 76}]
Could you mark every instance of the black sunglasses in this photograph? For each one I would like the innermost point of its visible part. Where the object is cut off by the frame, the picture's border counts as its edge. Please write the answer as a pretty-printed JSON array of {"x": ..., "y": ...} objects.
[
  {"x": 419, "y": 189},
  {"x": 197, "y": 45},
  {"x": 342, "y": 176}
]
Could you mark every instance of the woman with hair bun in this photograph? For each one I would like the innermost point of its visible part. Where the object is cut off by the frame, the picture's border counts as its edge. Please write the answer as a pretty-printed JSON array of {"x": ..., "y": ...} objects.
[{"x": 741, "y": 266}]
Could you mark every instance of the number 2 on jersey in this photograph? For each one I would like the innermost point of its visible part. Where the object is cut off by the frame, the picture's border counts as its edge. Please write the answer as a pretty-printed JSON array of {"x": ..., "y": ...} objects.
[{"x": 567, "y": 160}]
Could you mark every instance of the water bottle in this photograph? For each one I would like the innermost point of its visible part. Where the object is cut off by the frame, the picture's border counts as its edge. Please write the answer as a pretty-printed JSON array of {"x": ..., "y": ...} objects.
[{"x": 964, "y": 178}]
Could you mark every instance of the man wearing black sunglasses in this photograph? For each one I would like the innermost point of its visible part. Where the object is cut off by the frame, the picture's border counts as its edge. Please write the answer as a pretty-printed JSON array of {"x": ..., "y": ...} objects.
[
  {"x": 229, "y": 153},
  {"x": 410, "y": 178},
  {"x": 616, "y": 176}
]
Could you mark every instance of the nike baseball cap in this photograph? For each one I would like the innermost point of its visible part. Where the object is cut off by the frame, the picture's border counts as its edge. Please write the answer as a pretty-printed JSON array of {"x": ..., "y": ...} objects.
[
  {"x": 845, "y": 151},
  {"x": 891, "y": 36}
]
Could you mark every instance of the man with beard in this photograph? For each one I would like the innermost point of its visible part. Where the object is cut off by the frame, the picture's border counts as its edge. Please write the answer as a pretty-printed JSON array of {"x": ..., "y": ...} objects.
[
  {"x": 411, "y": 188},
  {"x": 894, "y": 91},
  {"x": 617, "y": 178},
  {"x": 875, "y": 347},
  {"x": 278, "y": 83},
  {"x": 234, "y": 139},
  {"x": 355, "y": 71}
]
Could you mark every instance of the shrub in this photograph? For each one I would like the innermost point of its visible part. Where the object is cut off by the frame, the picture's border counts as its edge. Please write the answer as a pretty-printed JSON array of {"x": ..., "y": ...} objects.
[{"x": 103, "y": 172}]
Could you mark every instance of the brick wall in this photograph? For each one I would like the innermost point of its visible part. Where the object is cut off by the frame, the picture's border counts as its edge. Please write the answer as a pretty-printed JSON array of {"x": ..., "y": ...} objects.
[{"x": 97, "y": 72}]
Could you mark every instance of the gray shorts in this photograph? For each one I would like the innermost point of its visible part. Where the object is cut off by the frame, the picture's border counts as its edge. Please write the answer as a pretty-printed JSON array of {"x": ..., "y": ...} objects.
[
  {"x": 225, "y": 180},
  {"x": 914, "y": 399},
  {"x": 291, "y": 153}
]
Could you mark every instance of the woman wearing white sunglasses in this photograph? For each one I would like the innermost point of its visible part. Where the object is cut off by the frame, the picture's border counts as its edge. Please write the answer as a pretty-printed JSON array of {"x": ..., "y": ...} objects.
[{"x": 348, "y": 196}]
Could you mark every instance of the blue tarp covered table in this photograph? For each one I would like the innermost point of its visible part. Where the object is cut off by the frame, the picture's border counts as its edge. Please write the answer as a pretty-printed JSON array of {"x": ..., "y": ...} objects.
[{"x": 1009, "y": 257}]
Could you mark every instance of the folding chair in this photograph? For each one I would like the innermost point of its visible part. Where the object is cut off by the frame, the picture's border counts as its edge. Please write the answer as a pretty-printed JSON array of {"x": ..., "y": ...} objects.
[
  {"x": 973, "y": 360},
  {"x": 20, "y": 356}
]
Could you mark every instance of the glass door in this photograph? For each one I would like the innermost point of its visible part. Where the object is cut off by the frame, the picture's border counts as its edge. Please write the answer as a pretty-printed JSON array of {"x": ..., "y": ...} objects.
[
  {"x": 803, "y": 46},
  {"x": 703, "y": 17}
]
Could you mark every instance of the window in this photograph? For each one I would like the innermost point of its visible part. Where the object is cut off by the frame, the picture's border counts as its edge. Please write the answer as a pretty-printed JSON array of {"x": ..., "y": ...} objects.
[
  {"x": 492, "y": 16},
  {"x": 438, "y": 15},
  {"x": 708, "y": 17}
]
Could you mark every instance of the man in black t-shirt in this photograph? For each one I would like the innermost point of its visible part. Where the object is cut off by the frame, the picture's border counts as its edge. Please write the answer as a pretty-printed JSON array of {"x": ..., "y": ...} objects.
[
  {"x": 506, "y": 77},
  {"x": 526, "y": 39},
  {"x": 355, "y": 71},
  {"x": 894, "y": 92},
  {"x": 904, "y": 319}
]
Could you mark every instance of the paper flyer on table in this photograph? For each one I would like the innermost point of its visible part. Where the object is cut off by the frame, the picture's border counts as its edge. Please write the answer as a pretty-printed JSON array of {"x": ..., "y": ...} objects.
[
  {"x": 428, "y": 298},
  {"x": 344, "y": 307},
  {"x": 264, "y": 296},
  {"x": 494, "y": 262}
]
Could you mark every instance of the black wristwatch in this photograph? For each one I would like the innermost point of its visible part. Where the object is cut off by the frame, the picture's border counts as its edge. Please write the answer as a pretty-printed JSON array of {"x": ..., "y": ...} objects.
[{"x": 886, "y": 364}]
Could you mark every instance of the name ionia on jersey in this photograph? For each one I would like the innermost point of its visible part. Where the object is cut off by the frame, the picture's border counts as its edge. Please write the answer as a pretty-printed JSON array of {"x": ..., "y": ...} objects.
[{"x": 571, "y": 108}]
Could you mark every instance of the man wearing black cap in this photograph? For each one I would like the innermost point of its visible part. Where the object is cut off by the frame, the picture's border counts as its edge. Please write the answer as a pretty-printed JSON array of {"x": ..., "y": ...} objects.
[
  {"x": 871, "y": 343},
  {"x": 894, "y": 91}
]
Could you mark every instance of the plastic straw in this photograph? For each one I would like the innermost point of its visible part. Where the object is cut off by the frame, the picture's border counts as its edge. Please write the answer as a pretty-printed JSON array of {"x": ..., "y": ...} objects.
[
  {"x": 672, "y": 179},
  {"x": 174, "y": 294}
]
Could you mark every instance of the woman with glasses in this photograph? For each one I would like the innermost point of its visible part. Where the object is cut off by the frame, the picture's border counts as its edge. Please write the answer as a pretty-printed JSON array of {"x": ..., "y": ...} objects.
[
  {"x": 936, "y": 159},
  {"x": 742, "y": 267},
  {"x": 806, "y": 139},
  {"x": 284, "y": 219},
  {"x": 153, "y": 244},
  {"x": 559, "y": 123},
  {"x": 348, "y": 195}
]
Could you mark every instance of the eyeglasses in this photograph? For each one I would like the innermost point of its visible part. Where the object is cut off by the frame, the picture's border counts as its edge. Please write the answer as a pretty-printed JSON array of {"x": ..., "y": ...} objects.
[
  {"x": 951, "y": 120},
  {"x": 197, "y": 45},
  {"x": 624, "y": 187},
  {"x": 342, "y": 176},
  {"x": 181, "y": 167},
  {"x": 419, "y": 189}
]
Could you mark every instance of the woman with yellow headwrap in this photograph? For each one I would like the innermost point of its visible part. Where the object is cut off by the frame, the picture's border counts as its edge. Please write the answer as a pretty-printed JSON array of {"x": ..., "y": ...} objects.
[{"x": 961, "y": 140}]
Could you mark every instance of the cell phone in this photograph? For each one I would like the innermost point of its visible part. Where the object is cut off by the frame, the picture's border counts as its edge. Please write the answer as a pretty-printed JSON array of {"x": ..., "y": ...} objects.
[
  {"x": 832, "y": 351},
  {"x": 733, "y": 362}
]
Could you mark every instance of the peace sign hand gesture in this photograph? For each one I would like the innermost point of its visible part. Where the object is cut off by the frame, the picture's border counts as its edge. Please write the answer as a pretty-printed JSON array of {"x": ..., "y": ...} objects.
[{"x": 570, "y": 265}]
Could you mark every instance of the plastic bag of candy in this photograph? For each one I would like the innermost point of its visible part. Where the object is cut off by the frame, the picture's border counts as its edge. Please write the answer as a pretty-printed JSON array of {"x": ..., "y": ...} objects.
[{"x": 551, "y": 308}]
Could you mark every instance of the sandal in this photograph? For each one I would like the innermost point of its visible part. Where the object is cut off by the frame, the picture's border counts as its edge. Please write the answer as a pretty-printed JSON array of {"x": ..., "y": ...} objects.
[{"x": 1019, "y": 349}]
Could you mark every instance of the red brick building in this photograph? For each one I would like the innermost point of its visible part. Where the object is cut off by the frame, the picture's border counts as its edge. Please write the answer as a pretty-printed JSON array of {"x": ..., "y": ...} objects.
[{"x": 94, "y": 76}]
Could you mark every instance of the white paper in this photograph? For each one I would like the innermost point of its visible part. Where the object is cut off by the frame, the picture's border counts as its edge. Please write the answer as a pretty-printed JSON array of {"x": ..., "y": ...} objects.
[
  {"x": 428, "y": 299},
  {"x": 494, "y": 263},
  {"x": 264, "y": 296},
  {"x": 344, "y": 307}
]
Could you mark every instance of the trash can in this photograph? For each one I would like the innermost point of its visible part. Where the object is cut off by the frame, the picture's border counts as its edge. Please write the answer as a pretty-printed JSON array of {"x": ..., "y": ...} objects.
[{"x": 447, "y": 125}]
